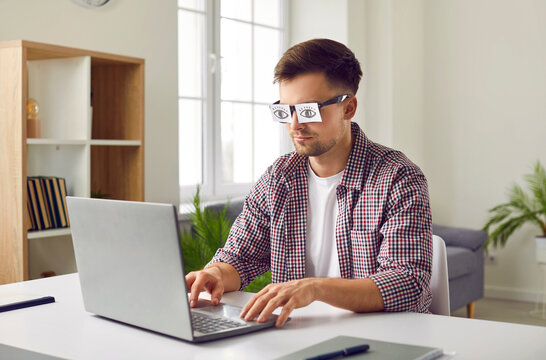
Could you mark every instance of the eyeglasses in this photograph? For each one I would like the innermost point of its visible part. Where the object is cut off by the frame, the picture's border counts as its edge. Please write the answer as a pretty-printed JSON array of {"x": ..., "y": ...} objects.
[{"x": 306, "y": 112}]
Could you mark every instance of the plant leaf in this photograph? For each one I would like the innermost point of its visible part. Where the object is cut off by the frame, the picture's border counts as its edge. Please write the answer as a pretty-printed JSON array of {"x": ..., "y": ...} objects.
[{"x": 209, "y": 232}]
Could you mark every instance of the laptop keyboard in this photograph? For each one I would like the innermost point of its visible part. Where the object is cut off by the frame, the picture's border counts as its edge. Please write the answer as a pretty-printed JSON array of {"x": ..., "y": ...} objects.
[{"x": 209, "y": 324}]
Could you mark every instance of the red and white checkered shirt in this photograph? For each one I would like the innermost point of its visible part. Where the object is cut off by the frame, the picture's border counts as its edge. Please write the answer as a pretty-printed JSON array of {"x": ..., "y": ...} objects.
[{"x": 383, "y": 230}]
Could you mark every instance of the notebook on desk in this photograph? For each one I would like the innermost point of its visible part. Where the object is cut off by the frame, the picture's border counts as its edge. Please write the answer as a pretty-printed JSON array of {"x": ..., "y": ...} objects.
[
  {"x": 378, "y": 350},
  {"x": 131, "y": 269}
]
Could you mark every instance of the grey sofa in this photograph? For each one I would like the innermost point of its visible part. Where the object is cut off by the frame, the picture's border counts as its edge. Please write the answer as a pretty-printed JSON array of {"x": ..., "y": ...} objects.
[
  {"x": 465, "y": 260},
  {"x": 465, "y": 265}
]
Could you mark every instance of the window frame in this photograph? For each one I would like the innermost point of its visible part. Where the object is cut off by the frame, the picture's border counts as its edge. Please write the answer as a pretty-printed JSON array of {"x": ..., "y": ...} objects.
[{"x": 212, "y": 188}]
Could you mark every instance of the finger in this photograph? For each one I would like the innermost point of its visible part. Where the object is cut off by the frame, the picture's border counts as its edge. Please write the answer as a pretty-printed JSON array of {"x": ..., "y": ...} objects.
[
  {"x": 216, "y": 294},
  {"x": 286, "y": 310},
  {"x": 258, "y": 306},
  {"x": 270, "y": 307},
  {"x": 196, "y": 288},
  {"x": 250, "y": 303},
  {"x": 253, "y": 299},
  {"x": 190, "y": 278}
]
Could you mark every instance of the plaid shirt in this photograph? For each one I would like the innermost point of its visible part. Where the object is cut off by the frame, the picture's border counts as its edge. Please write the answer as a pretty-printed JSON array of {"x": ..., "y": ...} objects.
[{"x": 383, "y": 230}]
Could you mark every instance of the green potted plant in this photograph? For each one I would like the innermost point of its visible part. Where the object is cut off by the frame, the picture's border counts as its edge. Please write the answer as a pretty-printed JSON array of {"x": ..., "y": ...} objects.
[
  {"x": 521, "y": 208},
  {"x": 209, "y": 232}
]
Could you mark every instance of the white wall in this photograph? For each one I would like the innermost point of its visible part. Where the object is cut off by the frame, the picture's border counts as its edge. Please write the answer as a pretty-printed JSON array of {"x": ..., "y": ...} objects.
[
  {"x": 140, "y": 28},
  {"x": 459, "y": 86},
  {"x": 340, "y": 20},
  {"x": 393, "y": 82},
  {"x": 485, "y": 119}
]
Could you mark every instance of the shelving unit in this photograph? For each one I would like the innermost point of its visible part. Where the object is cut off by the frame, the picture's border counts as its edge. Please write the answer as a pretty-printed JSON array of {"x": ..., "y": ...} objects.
[{"x": 92, "y": 134}]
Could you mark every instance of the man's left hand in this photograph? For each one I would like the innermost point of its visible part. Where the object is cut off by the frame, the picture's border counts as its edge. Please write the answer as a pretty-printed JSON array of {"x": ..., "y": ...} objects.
[{"x": 290, "y": 295}]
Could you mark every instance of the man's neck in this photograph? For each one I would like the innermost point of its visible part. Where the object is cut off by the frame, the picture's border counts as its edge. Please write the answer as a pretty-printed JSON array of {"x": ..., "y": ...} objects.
[{"x": 335, "y": 160}]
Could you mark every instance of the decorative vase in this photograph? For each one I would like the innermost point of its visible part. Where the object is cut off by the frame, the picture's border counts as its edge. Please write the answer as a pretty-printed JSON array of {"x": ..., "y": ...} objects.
[
  {"x": 540, "y": 242},
  {"x": 34, "y": 128}
]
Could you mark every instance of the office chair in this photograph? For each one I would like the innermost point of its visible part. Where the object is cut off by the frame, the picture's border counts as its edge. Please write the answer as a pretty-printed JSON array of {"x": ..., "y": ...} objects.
[{"x": 439, "y": 281}]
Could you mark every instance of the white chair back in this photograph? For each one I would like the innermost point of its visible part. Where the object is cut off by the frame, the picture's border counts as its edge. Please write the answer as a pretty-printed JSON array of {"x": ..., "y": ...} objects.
[{"x": 439, "y": 281}]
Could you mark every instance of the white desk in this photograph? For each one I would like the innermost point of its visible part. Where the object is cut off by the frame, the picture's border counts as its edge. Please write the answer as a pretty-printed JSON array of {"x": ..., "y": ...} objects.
[{"x": 63, "y": 329}]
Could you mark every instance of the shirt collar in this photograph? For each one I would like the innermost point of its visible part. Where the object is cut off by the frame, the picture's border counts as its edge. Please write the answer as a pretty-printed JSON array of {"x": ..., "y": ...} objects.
[{"x": 354, "y": 170}]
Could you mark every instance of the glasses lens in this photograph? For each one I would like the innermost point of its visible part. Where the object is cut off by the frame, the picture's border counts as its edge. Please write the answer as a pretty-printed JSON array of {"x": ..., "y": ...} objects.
[
  {"x": 308, "y": 112},
  {"x": 280, "y": 112}
]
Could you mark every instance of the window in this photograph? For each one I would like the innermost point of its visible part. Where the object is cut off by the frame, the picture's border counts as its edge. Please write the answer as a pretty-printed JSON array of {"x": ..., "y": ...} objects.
[{"x": 227, "y": 51}]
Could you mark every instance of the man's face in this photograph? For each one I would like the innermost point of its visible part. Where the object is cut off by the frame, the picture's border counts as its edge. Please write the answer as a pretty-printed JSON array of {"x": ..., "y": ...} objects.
[{"x": 314, "y": 139}]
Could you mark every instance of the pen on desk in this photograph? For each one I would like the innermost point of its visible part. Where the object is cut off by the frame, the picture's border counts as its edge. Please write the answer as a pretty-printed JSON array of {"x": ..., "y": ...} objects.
[{"x": 345, "y": 352}]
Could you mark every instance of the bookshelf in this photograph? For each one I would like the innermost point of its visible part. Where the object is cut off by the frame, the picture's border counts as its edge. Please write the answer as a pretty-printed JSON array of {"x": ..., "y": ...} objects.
[{"x": 92, "y": 134}]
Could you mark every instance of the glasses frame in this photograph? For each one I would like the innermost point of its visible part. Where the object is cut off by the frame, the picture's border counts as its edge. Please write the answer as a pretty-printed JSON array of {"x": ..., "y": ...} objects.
[{"x": 310, "y": 106}]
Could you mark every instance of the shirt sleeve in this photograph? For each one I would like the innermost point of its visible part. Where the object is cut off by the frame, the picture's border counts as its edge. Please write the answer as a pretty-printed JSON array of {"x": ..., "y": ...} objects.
[
  {"x": 405, "y": 254},
  {"x": 247, "y": 247}
]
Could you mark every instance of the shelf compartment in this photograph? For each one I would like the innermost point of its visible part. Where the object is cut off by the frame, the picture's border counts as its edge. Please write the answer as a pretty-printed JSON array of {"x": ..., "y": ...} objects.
[
  {"x": 48, "y": 160},
  {"x": 117, "y": 100},
  {"x": 56, "y": 254},
  {"x": 118, "y": 171},
  {"x": 62, "y": 88}
]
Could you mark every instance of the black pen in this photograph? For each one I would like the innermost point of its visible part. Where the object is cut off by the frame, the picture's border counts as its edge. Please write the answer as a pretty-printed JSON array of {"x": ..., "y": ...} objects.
[{"x": 345, "y": 352}]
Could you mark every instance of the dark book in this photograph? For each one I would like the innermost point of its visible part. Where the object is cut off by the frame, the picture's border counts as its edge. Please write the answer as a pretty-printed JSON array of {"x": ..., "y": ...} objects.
[
  {"x": 35, "y": 205},
  {"x": 59, "y": 201},
  {"x": 53, "y": 203},
  {"x": 46, "y": 190},
  {"x": 42, "y": 203},
  {"x": 32, "y": 225},
  {"x": 62, "y": 185}
]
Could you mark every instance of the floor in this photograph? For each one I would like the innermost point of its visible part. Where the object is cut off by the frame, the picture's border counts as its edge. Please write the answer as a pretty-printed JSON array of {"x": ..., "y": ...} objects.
[{"x": 504, "y": 310}]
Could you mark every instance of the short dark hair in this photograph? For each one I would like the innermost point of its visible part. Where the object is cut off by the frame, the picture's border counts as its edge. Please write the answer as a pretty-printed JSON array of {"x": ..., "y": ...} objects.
[{"x": 335, "y": 60}]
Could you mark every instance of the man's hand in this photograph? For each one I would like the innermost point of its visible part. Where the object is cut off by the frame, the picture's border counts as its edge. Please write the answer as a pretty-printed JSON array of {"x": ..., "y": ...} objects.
[
  {"x": 209, "y": 279},
  {"x": 290, "y": 295},
  {"x": 358, "y": 295},
  {"x": 215, "y": 279}
]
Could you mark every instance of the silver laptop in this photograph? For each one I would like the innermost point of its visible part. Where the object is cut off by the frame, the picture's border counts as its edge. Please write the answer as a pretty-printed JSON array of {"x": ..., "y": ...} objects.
[{"x": 130, "y": 264}]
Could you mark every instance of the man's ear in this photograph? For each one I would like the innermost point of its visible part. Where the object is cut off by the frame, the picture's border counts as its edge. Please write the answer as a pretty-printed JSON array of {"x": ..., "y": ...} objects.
[{"x": 350, "y": 108}]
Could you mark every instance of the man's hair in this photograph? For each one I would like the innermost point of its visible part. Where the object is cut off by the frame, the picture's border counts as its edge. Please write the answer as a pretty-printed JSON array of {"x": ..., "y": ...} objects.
[{"x": 331, "y": 58}]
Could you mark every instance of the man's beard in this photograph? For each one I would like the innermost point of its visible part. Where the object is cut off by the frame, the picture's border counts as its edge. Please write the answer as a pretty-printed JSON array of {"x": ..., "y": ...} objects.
[{"x": 316, "y": 148}]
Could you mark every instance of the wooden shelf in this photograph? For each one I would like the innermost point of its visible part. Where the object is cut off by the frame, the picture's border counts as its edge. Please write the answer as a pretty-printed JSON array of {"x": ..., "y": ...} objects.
[
  {"x": 116, "y": 142},
  {"x": 92, "y": 127},
  {"x": 49, "y": 233},
  {"x": 35, "y": 141}
]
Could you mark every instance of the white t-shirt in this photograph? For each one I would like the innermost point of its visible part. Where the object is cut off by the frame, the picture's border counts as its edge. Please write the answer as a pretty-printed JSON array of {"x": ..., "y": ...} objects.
[{"x": 321, "y": 258}]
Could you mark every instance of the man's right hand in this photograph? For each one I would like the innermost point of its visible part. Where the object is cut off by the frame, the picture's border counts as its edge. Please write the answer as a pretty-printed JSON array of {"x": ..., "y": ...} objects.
[
  {"x": 209, "y": 279},
  {"x": 215, "y": 279}
]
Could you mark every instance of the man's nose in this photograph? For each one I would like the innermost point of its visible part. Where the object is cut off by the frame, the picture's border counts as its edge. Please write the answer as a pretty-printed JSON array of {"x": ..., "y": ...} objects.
[{"x": 294, "y": 124}]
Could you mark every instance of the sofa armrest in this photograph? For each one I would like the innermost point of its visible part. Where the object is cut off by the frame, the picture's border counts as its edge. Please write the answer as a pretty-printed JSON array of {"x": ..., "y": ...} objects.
[
  {"x": 466, "y": 238},
  {"x": 234, "y": 209}
]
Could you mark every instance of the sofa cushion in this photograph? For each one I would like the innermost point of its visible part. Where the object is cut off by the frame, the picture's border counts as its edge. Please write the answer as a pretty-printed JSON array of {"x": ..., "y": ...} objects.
[
  {"x": 460, "y": 261},
  {"x": 466, "y": 238}
]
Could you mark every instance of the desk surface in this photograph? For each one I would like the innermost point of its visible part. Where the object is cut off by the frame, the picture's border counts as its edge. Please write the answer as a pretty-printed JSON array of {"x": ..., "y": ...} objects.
[{"x": 64, "y": 329}]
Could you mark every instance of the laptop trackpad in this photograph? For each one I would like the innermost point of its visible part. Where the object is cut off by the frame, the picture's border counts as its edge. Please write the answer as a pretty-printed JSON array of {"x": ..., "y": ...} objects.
[
  {"x": 230, "y": 311},
  {"x": 205, "y": 306}
]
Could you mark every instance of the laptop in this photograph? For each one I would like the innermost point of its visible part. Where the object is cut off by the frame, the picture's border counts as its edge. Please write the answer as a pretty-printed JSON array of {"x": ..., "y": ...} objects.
[{"x": 131, "y": 270}]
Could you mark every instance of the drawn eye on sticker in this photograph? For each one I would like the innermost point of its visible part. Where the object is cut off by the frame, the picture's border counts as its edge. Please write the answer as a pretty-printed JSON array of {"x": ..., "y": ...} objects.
[
  {"x": 280, "y": 114},
  {"x": 307, "y": 113}
]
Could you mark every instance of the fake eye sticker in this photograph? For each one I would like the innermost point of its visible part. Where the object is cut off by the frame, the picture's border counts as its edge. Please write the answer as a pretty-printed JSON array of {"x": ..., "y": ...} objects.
[
  {"x": 280, "y": 112},
  {"x": 308, "y": 112}
]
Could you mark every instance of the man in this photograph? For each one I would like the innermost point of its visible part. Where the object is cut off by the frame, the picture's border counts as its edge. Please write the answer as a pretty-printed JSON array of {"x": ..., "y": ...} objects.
[{"x": 341, "y": 220}]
